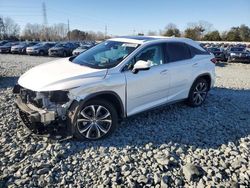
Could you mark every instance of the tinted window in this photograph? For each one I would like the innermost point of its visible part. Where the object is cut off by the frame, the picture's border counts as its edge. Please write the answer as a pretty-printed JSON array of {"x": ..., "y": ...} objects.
[
  {"x": 50, "y": 45},
  {"x": 213, "y": 49},
  {"x": 237, "y": 49},
  {"x": 196, "y": 51},
  {"x": 177, "y": 52}
]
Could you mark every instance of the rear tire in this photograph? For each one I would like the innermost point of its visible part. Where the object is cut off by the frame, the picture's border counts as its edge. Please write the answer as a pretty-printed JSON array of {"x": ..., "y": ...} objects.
[
  {"x": 94, "y": 120},
  {"x": 198, "y": 92}
]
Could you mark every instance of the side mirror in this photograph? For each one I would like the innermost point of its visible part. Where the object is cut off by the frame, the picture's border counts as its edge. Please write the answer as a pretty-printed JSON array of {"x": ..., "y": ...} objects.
[{"x": 141, "y": 65}]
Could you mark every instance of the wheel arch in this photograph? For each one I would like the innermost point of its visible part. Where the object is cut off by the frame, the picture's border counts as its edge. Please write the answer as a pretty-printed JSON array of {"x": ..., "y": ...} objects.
[
  {"x": 109, "y": 96},
  {"x": 205, "y": 76}
]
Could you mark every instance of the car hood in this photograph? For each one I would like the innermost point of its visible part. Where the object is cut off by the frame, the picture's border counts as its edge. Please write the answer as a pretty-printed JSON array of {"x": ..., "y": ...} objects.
[
  {"x": 18, "y": 46},
  {"x": 60, "y": 74},
  {"x": 56, "y": 48},
  {"x": 5, "y": 46},
  {"x": 32, "y": 48},
  {"x": 79, "y": 50}
]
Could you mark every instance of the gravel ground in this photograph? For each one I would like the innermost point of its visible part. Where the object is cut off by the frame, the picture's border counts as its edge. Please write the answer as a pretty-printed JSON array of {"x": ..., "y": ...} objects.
[{"x": 173, "y": 146}]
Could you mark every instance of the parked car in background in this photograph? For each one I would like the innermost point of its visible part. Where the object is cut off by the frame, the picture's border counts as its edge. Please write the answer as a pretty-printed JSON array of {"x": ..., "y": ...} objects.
[
  {"x": 88, "y": 94},
  {"x": 6, "y": 48},
  {"x": 3, "y": 42},
  {"x": 81, "y": 49},
  {"x": 238, "y": 54},
  {"x": 218, "y": 53},
  {"x": 40, "y": 48},
  {"x": 21, "y": 47},
  {"x": 63, "y": 49}
]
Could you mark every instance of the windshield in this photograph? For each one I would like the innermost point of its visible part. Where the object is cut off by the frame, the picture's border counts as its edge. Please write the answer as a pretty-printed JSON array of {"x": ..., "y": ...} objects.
[
  {"x": 237, "y": 49},
  {"x": 9, "y": 44},
  {"x": 214, "y": 49},
  {"x": 83, "y": 47},
  {"x": 61, "y": 45},
  {"x": 105, "y": 55},
  {"x": 39, "y": 44},
  {"x": 22, "y": 43}
]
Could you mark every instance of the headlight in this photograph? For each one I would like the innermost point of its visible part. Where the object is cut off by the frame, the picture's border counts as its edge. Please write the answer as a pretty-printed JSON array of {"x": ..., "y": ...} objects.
[{"x": 232, "y": 53}]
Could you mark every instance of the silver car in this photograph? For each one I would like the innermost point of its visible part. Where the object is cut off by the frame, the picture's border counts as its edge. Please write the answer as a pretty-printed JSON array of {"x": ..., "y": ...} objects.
[
  {"x": 21, "y": 47},
  {"x": 40, "y": 48},
  {"x": 81, "y": 49}
]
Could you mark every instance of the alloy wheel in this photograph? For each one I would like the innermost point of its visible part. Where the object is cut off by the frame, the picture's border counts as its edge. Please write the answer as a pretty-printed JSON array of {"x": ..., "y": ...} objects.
[
  {"x": 200, "y": 93},
  {"x": 94, "y": 121}
]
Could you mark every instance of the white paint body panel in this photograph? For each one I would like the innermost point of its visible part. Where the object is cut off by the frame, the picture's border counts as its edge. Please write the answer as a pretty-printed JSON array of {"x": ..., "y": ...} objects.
[
  {"x": 59, "y": 75},
  {"x": 147, "y": 89}
]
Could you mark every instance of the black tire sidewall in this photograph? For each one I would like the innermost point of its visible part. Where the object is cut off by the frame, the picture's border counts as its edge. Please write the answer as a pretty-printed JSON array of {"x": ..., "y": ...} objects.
[
  {"x": 64, "y": 54},
  {"x": 191, "y": 92},
  {"x": 103, "y": 103},
  {"x": 41, "y": 53}
]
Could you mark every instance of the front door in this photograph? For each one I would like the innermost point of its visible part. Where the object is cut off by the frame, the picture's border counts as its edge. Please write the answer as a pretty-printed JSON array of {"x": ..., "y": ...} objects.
[{"x": 147, "y": 88}]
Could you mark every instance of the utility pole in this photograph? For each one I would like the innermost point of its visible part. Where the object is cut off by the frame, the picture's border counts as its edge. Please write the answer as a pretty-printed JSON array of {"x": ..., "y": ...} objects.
[
  {"x": 106, "y": 31},
  {"x": 68, "y": 31},
  {"x": 134, "y": 31},
  {"x": 45, "y": 21}
]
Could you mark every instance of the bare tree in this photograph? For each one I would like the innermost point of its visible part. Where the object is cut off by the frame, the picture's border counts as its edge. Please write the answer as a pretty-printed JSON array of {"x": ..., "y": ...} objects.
[
  {"x": 152, "y": 33},
  {"x": 1, "y": 28},
  {"x": 61, "y": 29},
  {"x": 9, "y": 29},
  {"x": 39, "y": 32},
  {"x": 32, "y": 31},
  {"x": 200, "y": 28}
]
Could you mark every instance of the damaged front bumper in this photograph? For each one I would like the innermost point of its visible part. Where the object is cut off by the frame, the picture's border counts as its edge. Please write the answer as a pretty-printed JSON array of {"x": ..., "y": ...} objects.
[
  {"x": 44, "y": 121},
  {"x": 35, "y": 114}
]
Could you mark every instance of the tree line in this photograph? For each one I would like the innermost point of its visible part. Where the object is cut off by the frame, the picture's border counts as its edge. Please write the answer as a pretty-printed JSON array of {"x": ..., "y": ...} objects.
[
  {"x": 201, "y": 30},
  {"x": 57, "y": 32}
]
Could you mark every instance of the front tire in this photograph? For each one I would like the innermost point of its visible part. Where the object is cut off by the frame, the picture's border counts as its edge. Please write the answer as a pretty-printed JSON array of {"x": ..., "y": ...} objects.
[
  {"x": 198, "y": 92},
  {"x": 94, "y": 120},
  {"x": 64, "y": 54},
  {"x": 41, "y": 53}
]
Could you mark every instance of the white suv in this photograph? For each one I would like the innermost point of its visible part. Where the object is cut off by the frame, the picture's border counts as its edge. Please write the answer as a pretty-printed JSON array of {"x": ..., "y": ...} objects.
[{"x": 87, "y": 95}]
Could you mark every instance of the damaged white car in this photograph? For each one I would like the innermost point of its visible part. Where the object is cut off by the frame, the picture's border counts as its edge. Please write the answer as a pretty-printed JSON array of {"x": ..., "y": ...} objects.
[{"x": 87, "y": 95}]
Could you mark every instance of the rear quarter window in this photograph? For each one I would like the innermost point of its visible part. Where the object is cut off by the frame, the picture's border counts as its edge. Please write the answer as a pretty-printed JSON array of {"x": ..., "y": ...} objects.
[
  {"x": 176, "y": 51},
  {"x": 196, "y": 51}
]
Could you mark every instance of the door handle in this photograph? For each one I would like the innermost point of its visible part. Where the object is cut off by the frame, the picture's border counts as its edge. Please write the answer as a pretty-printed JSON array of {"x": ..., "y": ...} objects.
[
  {"x": 195, "y": 64},
  {"x": 164, "y": 71}
]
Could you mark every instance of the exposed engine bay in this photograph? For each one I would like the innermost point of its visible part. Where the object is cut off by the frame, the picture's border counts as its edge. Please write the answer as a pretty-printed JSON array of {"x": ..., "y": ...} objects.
[{"x": 42, "y": 112}]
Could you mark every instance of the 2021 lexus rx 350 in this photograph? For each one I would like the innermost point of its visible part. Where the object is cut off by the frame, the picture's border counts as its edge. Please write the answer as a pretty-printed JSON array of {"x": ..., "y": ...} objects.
[{"x": 87, "y": 95}]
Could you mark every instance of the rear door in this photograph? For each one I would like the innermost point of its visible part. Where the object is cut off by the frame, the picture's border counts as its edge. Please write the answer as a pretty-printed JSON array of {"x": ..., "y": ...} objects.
[{"x": 180, "y": 65}]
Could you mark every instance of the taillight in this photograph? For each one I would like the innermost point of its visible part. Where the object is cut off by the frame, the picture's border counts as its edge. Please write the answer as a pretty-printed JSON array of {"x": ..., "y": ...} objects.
[{"x": 213, "y": 60}]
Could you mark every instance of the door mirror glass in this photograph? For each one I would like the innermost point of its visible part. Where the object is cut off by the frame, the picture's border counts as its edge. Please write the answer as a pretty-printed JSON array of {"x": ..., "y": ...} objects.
[{"x": 141, "y": 65}]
